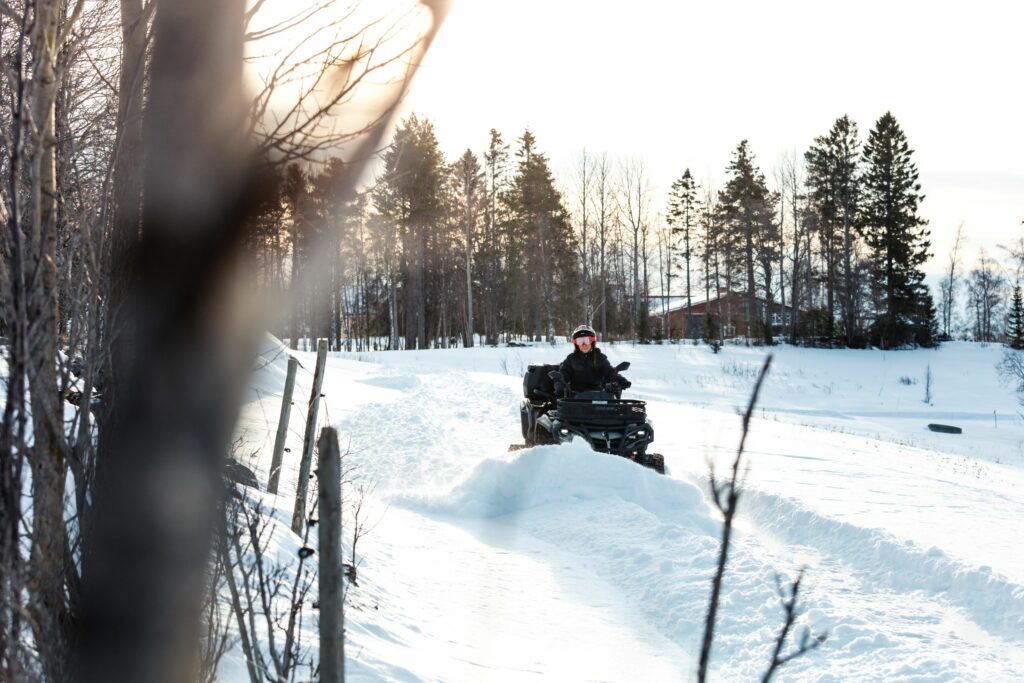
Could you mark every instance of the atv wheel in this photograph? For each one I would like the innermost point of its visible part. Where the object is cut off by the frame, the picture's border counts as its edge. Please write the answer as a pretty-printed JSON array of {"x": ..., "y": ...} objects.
[{"x": 524, "y": 418}]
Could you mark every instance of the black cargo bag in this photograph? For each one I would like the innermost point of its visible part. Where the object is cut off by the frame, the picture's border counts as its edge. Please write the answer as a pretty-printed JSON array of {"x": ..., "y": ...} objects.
[{"x": 537, "y": 386}]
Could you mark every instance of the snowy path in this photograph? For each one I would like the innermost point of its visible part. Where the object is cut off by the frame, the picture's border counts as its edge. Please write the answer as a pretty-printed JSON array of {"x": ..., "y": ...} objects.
[
  {"x": 488, "y": 604},
  {"x": 562, "y": 564},
  {"x": 492, "y": 601}
]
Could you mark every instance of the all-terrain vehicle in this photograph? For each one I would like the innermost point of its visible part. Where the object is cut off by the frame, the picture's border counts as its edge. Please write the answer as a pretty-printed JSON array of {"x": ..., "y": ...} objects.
[{"x": 605, "y": 420}]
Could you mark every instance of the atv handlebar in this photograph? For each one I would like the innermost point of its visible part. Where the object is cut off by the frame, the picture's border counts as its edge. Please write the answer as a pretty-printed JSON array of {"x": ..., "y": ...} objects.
[{"x": 563, "y": 390}]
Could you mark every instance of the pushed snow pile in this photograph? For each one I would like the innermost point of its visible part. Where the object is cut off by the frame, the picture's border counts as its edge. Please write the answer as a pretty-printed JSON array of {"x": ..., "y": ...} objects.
[
  {"x": 908, "y": 536},
  {"x": 565, "y": 474}
]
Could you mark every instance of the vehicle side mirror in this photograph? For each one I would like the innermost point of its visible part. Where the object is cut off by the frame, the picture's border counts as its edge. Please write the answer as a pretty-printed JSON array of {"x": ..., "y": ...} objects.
[{"x": 624, "y": 365}]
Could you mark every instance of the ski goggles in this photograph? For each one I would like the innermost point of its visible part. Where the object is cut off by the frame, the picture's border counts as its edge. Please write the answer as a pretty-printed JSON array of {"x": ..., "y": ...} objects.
[{"x": 579, "y": 340}]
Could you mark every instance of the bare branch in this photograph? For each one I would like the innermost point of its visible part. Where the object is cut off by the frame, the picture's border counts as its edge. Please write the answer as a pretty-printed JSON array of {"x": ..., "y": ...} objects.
[
  {"x": 791, "y": 611},
  {"x": 731, "y": 489}
]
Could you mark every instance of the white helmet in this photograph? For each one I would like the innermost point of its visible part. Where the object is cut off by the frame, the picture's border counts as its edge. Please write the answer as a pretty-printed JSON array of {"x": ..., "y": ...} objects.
[{"x": 584, "y": 331}]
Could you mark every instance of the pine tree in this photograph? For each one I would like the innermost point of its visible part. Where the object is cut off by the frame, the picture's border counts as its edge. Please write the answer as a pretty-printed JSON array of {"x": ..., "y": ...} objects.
[
  {"x": 925, "y": 321},
  {"x": 539, "y": 227},
  {"x": 710, "y": 332},
  {"x": 410, "y": 195},
  {"x": 834, "y": 191},
  {"x": 896, "y": 235},
  {"x": 750, "y": 231},
  {"x": 707, "y": 245},
  {"x": 491, "y": 265},
  {"x": 1015, "y": 321},
  {"x": 683, "y": 211},
  {"x": 295, "y": 195},
  {"x": 469, "y": 197}
]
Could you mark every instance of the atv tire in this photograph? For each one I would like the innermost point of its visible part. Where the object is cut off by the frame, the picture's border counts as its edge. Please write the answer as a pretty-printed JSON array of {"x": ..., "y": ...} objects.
[{"x": 527, "y": 426}]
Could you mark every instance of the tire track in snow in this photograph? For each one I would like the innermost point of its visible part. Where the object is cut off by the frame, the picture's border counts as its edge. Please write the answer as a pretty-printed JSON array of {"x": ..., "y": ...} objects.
[
  {"x": 992, "y": 601},
  {"x": 659, "y": 549},
  {"x": 656, "y": 539}
]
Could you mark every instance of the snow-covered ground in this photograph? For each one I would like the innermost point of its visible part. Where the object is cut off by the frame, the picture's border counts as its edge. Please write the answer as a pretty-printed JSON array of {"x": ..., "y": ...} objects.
[{"x": 556, "y": 563}]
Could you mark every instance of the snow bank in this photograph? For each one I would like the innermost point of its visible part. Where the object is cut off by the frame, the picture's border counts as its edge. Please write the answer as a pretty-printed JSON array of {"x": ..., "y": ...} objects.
[
  {"x": 992, "y": 601},
  {"x": 568, "y": 473},
  {"x": 534, "y": 565}
]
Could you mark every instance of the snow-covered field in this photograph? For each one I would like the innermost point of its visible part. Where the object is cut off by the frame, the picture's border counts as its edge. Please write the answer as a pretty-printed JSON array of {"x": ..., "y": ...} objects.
[{"x": 556, "y": 563}]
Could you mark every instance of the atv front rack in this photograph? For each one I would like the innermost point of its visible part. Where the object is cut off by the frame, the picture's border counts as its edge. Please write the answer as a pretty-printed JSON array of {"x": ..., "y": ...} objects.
[{"x": 604, "y": 413}]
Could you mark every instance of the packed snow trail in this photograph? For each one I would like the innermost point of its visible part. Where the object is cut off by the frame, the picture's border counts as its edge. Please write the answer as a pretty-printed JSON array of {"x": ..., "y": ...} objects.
[
  {"x": 562, "y": 555},
  {"x": 450, "y": 601}
]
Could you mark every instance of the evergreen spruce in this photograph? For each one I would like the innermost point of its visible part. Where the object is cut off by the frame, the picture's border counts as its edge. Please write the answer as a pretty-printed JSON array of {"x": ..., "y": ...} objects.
[
  {"x": 546, "y": 279},
  {"x": 834, "y": 191},
  {"x": 410, "y": 196},
  {"x": 711, "y": 332},
  {"x": 493, "y": 268},
  {"x": 469, "y": 199},
  {"x": 1015, "y": 321},
  {"x": 683, "y": 211},
  {"x": 897, "y": 237},
  {"x": 925, "y": 321},
  {"x": 644, "y": 322},
  {"x": 749, "y": 229}
]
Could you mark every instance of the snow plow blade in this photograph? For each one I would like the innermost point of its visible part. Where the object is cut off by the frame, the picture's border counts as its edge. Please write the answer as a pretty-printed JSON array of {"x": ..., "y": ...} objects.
[{"x": 654, "y": 461}]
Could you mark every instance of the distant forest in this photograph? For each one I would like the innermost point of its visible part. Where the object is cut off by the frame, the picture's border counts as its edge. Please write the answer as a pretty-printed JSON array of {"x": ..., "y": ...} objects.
[{"x": 491, "y": 247}]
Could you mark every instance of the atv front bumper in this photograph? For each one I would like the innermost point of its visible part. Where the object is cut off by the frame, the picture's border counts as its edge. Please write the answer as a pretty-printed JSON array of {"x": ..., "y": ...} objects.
[{"x": 628, "y": 439}]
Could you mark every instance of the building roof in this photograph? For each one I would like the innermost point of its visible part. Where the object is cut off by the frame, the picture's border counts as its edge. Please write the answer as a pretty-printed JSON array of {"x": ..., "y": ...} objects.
[{"x": 700, "y": 301}]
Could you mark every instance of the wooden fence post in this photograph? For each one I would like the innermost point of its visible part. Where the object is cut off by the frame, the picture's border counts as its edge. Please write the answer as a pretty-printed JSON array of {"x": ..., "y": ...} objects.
[
  {"x": 282, "y": 427},
  {"x": 299, "y": 515},
  {"x": 332, "y": 617}
]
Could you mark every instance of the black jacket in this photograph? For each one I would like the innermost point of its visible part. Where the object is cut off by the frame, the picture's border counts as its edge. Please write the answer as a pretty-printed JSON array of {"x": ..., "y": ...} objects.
[{"x": 589, "y": 371}]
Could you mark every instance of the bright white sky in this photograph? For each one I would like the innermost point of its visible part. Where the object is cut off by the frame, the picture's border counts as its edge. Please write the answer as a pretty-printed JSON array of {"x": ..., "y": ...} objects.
[{"x": 680, "y": 84}]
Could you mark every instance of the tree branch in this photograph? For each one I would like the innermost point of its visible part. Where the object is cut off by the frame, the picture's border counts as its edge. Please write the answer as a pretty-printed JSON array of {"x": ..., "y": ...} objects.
[{"x": 731, "y": 488}]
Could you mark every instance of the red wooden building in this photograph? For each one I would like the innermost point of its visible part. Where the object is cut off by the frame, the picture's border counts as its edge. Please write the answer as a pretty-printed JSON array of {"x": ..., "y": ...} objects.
[{"x": 730, "y": 313}]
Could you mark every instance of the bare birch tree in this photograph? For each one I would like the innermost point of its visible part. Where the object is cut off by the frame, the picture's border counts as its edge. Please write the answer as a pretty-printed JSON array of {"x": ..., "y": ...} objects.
[
  {"x": 950, "y": 280},
  {"x": 582, "y": 190},
  {"x": 634, "y": 205}
]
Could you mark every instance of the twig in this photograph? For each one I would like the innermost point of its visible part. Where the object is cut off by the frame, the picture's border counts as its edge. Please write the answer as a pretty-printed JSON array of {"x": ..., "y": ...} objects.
[
  {"x": 728, "y": 510},
  {"x": 807, "y": 642}
]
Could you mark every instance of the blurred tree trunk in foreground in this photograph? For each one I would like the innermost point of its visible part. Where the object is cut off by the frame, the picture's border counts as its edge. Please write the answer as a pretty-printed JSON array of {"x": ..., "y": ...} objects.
[
  {"x": 190, "y": 327},
  {"x": 183, "y": 353}
]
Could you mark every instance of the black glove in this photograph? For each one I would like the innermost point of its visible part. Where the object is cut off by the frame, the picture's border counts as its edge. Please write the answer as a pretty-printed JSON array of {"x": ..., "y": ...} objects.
[
  {"x": 625, "y": 383},
  {"x": 559, "y": 390},
  {"x": 613, "y": 387}
]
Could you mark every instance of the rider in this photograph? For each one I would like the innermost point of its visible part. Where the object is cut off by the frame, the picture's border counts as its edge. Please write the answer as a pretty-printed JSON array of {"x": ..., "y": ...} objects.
[{"x": 587, "y": 368}]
